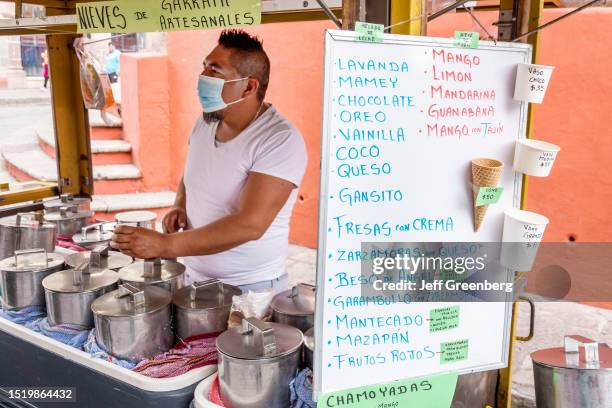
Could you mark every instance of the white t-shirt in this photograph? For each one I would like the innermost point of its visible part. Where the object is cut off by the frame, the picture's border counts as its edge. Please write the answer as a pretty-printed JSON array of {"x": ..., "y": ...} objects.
[{"x": 214, "y": 177}]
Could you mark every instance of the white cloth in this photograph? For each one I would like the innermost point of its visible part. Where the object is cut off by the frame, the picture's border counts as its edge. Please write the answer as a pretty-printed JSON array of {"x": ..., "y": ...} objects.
[{"x": 214, "y": 177}]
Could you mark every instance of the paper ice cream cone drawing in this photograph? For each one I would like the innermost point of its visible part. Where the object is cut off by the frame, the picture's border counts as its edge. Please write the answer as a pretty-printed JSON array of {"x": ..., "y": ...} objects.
[{"x": 485, "y": 173}]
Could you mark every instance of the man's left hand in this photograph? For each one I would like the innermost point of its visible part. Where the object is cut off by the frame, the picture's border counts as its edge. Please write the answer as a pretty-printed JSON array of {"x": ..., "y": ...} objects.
[{"x": 139, "y": 242}]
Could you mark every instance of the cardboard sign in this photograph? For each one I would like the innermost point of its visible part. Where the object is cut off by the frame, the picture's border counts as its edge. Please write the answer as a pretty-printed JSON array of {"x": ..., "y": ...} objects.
[
  {"x": 369, "y": 32},
  {"x": 430, "y": 392},
  {"x": 488, "y": 195},
  {"x": 128, "y": 16},
  {"x": 466, "y": 39}
]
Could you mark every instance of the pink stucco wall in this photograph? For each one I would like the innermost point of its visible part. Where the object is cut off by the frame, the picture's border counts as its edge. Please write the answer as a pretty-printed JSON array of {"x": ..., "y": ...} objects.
[{"x": 575, "y": 115}]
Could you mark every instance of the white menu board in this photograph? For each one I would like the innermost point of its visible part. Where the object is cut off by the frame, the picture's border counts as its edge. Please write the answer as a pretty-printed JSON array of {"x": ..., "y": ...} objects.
[{"x": 402, "y": 120}]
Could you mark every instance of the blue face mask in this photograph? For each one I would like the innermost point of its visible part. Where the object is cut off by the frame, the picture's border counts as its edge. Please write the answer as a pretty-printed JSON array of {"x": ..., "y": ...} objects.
[{"x": 209, "y": 92}]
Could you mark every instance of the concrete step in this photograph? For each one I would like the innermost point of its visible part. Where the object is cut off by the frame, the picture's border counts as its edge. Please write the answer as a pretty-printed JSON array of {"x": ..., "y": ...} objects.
[
  {"x": 29, "y": 162},
  {"x": 109, "y": 151},
  {"x": 113, "y": 203},
  {"x": 100, "y": 129}
]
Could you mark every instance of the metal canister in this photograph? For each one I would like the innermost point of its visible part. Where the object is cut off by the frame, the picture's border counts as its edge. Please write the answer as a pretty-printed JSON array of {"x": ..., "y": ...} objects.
[
  {"x": 203, "y": 307},
  {"x": 132, "y": 323},
  {"x": 165, "y": 273},
  {"x": 22, "y": 275},
  {"x": 26, "y": 231},
  {"x": 309, "y": 346},
  {"x": 257, "y": 361},
  {"x": 70, "y": 293},
  {"x": 573, "y": 376},
  {"x": 295, "y": 307},
  {"x": 69, "y": 220},
  {"x": 143, "y": 219},
  {"x": 66, "y": 200},
  {"x": 94, "y": 235},
  {"x": 100, "y": 257}
]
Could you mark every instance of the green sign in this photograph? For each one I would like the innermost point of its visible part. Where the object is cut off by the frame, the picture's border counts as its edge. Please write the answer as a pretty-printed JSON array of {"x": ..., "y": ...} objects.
[
  {"x": 369, "y": 32},
  {"x": 488, "y": 195},
  {"x": 466, "y": 39},
  {"x": 130, "y": 16},
  {"x": 454, "y": 351},
  {"x": 430, "y": 392},
  {"x": 445, "y": 318}
]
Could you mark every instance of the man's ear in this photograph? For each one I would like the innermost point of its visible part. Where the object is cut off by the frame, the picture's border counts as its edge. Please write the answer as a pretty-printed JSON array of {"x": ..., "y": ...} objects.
[{"x": 252, "y": 87}]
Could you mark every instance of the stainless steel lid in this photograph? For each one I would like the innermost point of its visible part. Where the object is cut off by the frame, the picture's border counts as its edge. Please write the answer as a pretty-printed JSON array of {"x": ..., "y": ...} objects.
[
  {"x": 99, "y": 233},
  {"x": 592, "y": 356},
  {"x": 151, "y": 271},
  {"x": 309, "y": 340},
  {"x": 67, "y": 213},
  {"x": 100, "y": 257},
  {"x": 130, "y": 301},
  {"x": 80, "y": 280},
  {"x": 34, "y": 220},
  {"x": 135, "y": 216},
  {"x": 66, "y": 200},
  {"x": 298, "y": 301},
  {"x": 257, "y": 340},
  {"x": 209, "y": 294},
  {"x": 32, "y": 260}
]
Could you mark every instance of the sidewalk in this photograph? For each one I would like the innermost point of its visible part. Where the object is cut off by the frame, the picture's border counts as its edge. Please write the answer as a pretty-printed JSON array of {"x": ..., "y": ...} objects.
[{"x": 26, "y": 96}]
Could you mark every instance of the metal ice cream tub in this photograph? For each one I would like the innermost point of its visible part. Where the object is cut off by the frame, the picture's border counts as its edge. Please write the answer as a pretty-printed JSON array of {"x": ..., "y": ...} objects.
[
  {"x": 309, "y": 346},
  {"x": 26, "y": 231},
  {"x": 165, "y": 273},
  {"x": 65, "y": 200},
  {"x": 100, "y": 257},
  {"x": 95, "y": 234},
  {"x": 70, "y": 293},
  {"x": 203, "y": 307},
  {"x": 574, "y": 376},
  {"x": 257, "y": 361},
  {"x": 22, "y": 275},
  {"x": 295, "y": 307},
  {"x": 143, "y": 219},
  {"x": 133, "y": 323},
  {"x": 69, "y": 220}
]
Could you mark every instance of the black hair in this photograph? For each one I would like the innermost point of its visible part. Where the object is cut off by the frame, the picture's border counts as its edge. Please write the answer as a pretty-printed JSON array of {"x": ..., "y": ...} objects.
[{"x": 248, "y": 57}]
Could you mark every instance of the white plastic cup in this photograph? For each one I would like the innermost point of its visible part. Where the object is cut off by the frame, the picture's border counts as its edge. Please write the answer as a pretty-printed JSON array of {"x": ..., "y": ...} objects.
[
  {"x": 534, "y": 157},
  {"x": 523, "y": 232},
  {"x": 532, "y": 82}
]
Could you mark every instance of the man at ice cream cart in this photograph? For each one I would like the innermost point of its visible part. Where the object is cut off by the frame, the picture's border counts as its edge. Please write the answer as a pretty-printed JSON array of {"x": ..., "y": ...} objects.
[{"x": 244, "y": 165}]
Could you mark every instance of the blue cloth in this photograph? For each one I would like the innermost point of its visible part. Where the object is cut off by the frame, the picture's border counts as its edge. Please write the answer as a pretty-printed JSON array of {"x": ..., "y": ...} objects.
[
  {"x": 91, "y": 347},
  {"x": 70, "y": 334},
  {"x": 24, "y": 316},
  {"x": 301, "y": 390},
  {"x": 112, "y": 62}
]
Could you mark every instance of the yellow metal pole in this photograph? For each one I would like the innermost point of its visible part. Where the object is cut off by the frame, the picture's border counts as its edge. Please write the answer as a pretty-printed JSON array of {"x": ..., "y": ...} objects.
[
  {"x": 404, "y": 10},
  {"x": 529, "y": 15},
  {"x": 69, "y": 115}
]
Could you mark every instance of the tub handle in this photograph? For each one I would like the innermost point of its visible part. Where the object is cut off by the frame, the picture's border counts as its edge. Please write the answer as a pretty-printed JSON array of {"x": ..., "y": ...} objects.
[
  {"x": 198, "y": 286},
  {"x": 21, "y": 252},
  {"x": 95, "y": 257},
  {"x": 531, "y": 319},
  {"x": 591, "y": 348},
  {"x": 152, "y": 268},
  {"x": 36, "y": 216},
  {"x": 66, "y": 197},
  {"x": 263, "y": 335},
  {"x": 99, "y": 226},
  {"x": 295, "y": 291},
  {"x": 136, "y": 295},
  {"x": 79, "y": 272}
]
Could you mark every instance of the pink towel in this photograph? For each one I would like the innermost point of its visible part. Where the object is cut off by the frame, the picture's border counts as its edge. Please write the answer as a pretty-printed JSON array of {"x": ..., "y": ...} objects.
[
  {"x": 194, "y": 352},
  {"x": 66, "y": 241},
  {"x": 213, "y": 395}
]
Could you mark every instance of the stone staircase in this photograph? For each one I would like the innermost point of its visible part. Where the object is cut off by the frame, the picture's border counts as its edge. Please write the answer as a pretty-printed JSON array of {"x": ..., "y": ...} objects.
[{"x": 118, "y": 182}]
